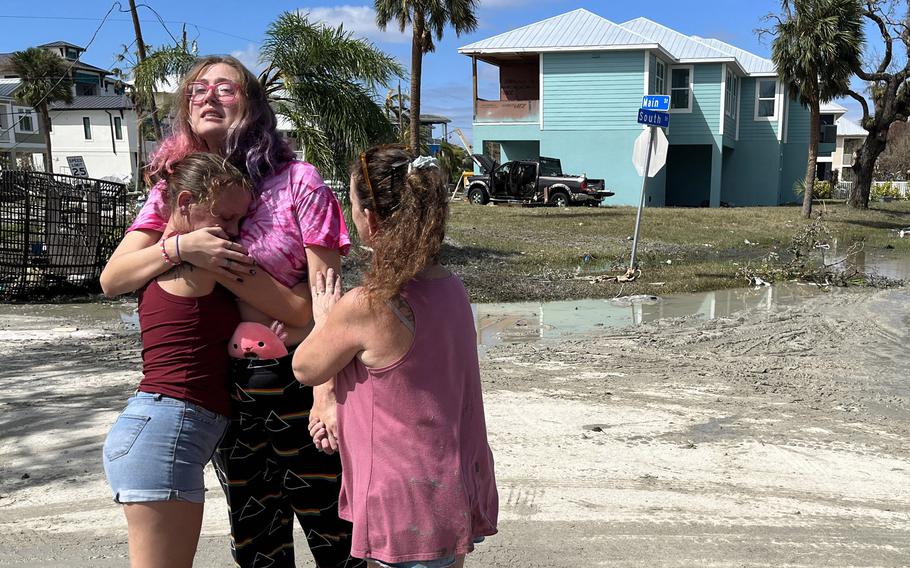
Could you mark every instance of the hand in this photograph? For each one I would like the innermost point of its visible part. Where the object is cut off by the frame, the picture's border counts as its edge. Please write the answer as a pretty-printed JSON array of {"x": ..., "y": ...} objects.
[
  {"x": 326, "y": 293},
  {"x": 211, "y": 248},
  {"x": 323, "y": 422},
  {"x": 319, "y": 433}
]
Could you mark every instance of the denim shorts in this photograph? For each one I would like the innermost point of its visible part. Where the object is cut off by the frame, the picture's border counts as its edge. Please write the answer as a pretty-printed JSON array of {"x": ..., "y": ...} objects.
[
  {"x": 437, "y": 563},
  {"x": 158, "y": 447}
]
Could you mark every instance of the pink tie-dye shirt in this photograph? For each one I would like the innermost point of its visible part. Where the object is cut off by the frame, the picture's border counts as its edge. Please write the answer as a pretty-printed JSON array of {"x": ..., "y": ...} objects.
[{"x": 295, "y": 209}]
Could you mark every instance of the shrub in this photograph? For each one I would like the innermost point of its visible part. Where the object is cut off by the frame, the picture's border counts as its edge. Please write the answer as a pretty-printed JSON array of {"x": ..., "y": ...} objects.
[
  {"x": 821, "y": 190},
  {"x": 886, "y": 190}
]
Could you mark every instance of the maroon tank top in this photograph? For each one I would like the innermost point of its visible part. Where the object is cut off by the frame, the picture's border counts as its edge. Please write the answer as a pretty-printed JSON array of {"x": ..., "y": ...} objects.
[{"x": 184, "y": 345}]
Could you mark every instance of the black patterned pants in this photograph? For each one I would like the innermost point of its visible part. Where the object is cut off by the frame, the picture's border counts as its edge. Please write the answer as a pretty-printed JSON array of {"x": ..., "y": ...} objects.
[{"x": 271, "y": 472}]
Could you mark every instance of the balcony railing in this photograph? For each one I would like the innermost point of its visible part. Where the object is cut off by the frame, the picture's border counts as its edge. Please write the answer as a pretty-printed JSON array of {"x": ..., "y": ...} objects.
[{"x": 507, "y": 111}]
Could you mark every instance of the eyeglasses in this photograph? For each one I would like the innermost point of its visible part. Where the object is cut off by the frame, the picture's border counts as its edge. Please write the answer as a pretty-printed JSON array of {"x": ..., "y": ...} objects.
[{"x": 226, "y": 92}]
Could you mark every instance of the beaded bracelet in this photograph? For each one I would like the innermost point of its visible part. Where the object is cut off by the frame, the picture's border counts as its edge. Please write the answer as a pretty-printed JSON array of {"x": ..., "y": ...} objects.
[{"x": 165, "y": 256}]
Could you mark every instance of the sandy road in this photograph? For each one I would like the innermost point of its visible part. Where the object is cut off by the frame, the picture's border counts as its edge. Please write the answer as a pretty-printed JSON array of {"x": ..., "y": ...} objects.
[{"x": 773, "y": 438}]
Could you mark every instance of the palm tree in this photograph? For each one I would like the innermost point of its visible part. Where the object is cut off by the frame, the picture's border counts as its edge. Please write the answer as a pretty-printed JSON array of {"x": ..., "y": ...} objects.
[
  {"x": 44, "y": 80},
  {"x": 816, "y": 45},
  {"x": 161, "y": 64},
  {"x": 428, "y": 18},
  {"x": 396, "y": 109},
  {"x": 325, "y": 82}
]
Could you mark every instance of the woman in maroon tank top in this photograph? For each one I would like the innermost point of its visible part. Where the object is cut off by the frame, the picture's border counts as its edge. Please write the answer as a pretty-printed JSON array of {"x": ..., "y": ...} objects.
[{"x": 155, "y": 452}]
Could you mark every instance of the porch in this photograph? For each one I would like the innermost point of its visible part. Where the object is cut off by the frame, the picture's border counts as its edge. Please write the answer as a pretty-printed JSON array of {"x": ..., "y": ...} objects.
[{"x": 518, "y": 89}]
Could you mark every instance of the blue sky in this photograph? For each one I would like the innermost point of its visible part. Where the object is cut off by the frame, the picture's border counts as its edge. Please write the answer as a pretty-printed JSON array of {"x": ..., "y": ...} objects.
[{"x": 237, "y": 28}]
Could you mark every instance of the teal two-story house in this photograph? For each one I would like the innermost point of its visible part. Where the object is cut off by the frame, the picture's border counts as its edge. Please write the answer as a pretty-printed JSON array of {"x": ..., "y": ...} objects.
[{"x": 571, "y": 86}]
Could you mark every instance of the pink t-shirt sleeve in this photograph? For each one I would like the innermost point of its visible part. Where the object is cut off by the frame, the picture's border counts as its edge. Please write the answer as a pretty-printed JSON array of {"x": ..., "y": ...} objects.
[
  {"x": 154, "y": 214},
  {"x": 321, "y": 220}
]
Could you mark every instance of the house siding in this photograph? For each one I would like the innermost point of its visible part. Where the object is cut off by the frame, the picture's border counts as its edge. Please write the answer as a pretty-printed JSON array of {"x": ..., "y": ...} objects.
[
  {"x": 592, "y": 91},
  {"x": 702, "y": 124},
  {"x": 795, "y": 152},
  {"x": 753, "y": 170}
]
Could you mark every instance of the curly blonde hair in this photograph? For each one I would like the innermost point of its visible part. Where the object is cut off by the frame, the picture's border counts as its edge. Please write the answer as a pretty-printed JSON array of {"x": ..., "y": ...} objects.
[{"x": 411, "y": 208}]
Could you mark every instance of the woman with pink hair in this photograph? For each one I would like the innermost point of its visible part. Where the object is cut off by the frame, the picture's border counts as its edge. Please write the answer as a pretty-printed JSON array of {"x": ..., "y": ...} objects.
[{"x": 267, "y": 464}]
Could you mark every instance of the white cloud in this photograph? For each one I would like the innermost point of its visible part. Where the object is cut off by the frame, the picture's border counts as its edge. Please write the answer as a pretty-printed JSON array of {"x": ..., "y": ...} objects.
[
  {"x": 360, "y": 20},
  {"x": 250, "y": 58}
]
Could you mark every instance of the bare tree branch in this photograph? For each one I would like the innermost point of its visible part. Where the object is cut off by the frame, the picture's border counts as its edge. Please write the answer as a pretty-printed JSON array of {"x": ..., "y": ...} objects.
[
  {"x": 872, "y": 13},
  {"x": 862, "y": 102}
]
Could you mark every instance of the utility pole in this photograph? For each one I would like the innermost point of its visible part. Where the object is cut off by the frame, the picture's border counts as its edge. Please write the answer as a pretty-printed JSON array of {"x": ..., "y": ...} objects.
[
  {"x": 400, "y": 111},
  {"x": 141, "y": 48}
]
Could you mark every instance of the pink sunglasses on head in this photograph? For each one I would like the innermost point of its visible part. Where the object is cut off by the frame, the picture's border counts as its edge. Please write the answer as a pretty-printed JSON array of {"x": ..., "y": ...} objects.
[{"x": 226, "y": 92}]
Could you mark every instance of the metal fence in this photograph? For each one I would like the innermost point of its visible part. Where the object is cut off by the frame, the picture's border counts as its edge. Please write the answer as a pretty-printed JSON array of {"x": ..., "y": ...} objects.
[
  {"x": 842, "y": 189},
  {"x": 56, "y": 232}
]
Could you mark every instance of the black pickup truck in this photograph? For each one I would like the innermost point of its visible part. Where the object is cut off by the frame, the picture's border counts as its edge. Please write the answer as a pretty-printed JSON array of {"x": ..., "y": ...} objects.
[{"x": 539, "y": 181}]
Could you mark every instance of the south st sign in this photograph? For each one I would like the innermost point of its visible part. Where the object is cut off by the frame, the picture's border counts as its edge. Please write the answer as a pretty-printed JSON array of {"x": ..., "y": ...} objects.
[{"x": 653, "y": 113}]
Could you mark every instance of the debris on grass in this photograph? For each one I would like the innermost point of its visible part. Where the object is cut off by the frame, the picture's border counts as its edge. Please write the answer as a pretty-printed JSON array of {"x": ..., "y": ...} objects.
[{"x": 800, "y": 262}]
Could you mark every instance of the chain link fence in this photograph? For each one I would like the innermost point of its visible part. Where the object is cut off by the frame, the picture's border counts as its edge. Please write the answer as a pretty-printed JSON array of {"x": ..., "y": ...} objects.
[{"x": 56, "y": 232}]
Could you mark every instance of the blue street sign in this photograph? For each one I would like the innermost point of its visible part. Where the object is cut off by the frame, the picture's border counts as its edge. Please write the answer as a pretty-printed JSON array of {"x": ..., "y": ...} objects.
[
  {"x": 653, "y": 118},
  {"x": 656, "y": 102}
]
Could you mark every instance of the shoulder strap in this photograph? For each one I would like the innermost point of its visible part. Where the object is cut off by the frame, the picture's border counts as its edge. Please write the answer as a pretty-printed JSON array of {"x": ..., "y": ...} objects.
[{"x": 401, "y": 317}]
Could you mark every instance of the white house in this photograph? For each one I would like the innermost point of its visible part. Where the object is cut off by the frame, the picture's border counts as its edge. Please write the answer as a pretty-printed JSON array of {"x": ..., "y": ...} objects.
[
  {"x": 99, "y": 126},
  {"x": 850, "y": 137}
]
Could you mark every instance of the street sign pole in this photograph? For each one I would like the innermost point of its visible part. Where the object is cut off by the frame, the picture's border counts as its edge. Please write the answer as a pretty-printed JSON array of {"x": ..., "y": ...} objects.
[{"x": 633, "y": 264}]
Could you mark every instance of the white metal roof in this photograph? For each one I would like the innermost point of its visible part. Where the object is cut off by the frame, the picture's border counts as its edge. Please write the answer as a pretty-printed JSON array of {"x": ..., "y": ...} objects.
[
  {"x": 583, "y": 30},
  {"x": 679, "y": 45},
  {"x": 753, "y": 64},
  {"x": 846, "y": 127},
  {"x": 576, "y": 29},
  {"x": 831, "y": 108}
]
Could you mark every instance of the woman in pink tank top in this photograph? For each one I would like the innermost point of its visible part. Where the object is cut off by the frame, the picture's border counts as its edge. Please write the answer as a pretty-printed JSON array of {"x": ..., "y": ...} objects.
[{"x": 417, "y": 479}]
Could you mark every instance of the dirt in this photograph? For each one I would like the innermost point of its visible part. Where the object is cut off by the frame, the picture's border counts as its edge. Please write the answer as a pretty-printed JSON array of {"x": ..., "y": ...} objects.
[{"x": 769, "y": 438}]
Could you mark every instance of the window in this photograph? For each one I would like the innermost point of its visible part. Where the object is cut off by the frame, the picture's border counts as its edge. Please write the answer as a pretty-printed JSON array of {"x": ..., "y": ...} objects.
[
  {"x": 731, "y": 101},
  {"x": 87, "y": 127},
  {"x": 766, "y": 99},
  {"x": 26, "y": 121},
  {"x": 118, "y": 128},
  {"x": 681, "y": 88},
  {"x": 660, "y": 78},
  {"x": 851, "y": 145}
]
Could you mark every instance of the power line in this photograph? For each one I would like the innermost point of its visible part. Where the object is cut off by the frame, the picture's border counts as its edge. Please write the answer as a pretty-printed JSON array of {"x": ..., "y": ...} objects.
[
  {"x": 84, "y": 19},
  {"x": 70, "y": 68}
]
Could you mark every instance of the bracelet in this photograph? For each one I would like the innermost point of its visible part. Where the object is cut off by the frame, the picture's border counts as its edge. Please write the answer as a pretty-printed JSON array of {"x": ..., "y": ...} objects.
[
  {"x": 165, "y": 256},
  {"x": 177, "y": 244}
]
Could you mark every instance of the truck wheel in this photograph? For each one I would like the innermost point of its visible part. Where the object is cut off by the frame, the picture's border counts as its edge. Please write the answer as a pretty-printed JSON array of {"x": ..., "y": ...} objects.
[
  {"x": 559, "y": 199},
  {"x": 477, "y": 196}
]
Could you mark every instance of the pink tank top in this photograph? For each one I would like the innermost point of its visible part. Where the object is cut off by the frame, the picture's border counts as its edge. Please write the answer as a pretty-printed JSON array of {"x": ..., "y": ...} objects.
[{"x": 417, "y": 479}]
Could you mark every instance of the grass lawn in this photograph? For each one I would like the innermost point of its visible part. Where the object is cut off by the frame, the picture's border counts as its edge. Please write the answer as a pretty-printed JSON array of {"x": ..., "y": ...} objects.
[{"x": 520, "y": 253}]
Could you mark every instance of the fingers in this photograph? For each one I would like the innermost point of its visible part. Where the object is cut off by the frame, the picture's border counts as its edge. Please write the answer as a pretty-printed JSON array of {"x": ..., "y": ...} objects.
[
  {"x": 277, "y": 328},
  {"x": 337, "y": 291},
  {"x": 320, "y": 283},
  {"x": 230, "y": 275},
  {"x": 333, "y": 442}
]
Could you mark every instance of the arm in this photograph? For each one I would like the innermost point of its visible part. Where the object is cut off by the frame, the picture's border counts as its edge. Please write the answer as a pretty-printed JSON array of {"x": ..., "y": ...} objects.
[
  {"x": 333, "y": 343},
  {"x": 319, "y": 261},
  {"x": 291, "y": 306},
  {"x": 135, "y": 262}
]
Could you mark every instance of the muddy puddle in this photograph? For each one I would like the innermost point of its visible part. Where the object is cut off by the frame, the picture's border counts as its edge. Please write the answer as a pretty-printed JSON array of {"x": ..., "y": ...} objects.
[
  {"x": 521, "y": 322},
  {"x": 530, "y": 321},
  {"x": 879, "y": 263}
]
